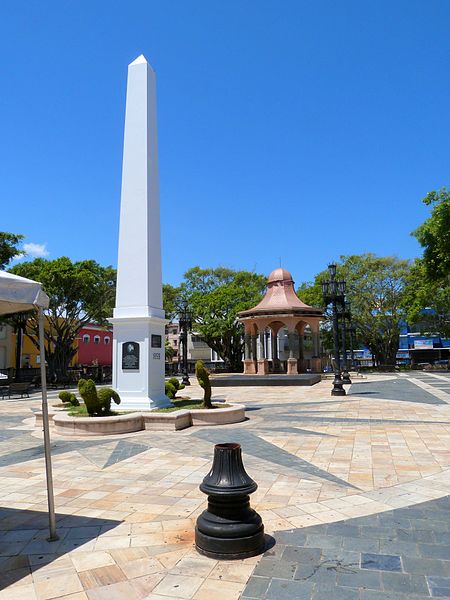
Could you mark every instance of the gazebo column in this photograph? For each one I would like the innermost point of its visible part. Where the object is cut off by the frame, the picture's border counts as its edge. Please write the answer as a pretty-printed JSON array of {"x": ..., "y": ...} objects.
[
  {"x": 275, "y": 359},
  {"x": 249, "y": 356},
  {"x": 254, "y": 348},
  {"x": 301, "y": 354},
  {"x": 292, "y": 360},
  {"x": 263, "y": 363},
  {"x": 316, "y": 361}
]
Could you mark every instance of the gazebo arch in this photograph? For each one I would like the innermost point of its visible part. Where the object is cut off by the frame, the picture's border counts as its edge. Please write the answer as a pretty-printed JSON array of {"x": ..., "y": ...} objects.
[{"x": 280, "y": 308}]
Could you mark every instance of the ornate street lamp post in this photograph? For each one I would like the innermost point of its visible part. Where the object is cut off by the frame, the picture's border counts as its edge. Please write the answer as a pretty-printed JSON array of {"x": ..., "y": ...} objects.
[
  {"x": 344, "y": 314},
  {"x": 333, "y": 292},
  {"x": 185, "y": 321}
]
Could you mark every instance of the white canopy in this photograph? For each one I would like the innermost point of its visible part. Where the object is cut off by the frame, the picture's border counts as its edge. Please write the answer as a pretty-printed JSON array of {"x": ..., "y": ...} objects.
[{"x": 18, "y": 294}]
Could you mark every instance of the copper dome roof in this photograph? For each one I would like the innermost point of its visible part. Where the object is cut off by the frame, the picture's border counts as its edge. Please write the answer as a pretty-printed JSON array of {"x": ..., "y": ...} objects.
[
  {"x": 280, "y": 275},
  {"x": 281, "y": 297}
]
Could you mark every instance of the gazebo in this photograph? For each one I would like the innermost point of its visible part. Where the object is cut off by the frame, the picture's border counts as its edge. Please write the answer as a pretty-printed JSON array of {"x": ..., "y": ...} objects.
[{"x": 280, "y": 309}]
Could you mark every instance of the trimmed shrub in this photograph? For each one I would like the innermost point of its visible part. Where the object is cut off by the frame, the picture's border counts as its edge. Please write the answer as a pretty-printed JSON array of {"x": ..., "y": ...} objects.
[
  {"x": 170, "y": 390},
  {"x": 176, "y": 384},
  {"x": 202, "y": 375},
  {"x": 98, "y": 403},
  {"x": 68, "y": 398}
]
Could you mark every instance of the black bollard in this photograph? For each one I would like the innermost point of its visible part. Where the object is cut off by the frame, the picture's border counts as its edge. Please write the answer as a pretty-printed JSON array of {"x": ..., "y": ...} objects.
[{"x": 229, "y": 528}]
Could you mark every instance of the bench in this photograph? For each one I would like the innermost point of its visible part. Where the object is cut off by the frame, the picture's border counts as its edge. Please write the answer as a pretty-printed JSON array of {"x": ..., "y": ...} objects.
[{"x": 21, "y": 388}]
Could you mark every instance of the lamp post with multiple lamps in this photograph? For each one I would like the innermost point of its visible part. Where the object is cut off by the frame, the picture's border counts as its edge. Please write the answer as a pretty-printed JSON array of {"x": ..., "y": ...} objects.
[
  {"x": 185, "y": 322},
  {"x": 333, "y": 293}
]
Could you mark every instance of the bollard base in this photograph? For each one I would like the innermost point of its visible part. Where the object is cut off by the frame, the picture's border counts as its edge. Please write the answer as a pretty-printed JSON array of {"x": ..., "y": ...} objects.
[
  {"x": 229, "y": 529},
  {"x": 230, "y": 548}
]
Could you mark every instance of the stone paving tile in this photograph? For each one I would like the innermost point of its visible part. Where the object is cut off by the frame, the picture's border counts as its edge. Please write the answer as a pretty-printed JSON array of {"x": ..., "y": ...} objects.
[
  {"x": 256, "y": 587},
  {"x": 381, "y": 562},
  {"x": 439, "y": 586},
  {"x": 280, "y": 589}
]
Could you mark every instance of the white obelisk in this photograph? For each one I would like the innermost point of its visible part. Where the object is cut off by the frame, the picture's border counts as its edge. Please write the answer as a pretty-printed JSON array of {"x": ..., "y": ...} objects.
[{"x": 138, "y": 320}]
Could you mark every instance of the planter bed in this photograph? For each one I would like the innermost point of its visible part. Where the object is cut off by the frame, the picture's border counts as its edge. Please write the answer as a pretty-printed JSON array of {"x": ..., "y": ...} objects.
[
  {"x": 38, "y": 417},
  {"x": 67, "y": 425},
  {"x": 138, "y": 421}
]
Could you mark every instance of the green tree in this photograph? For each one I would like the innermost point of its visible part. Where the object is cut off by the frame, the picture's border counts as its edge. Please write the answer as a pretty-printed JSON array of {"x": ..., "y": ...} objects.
[
  {"x": 170, "y": 297},
  {"x": 434, "y": 235},
  {"x": 427, "y": 302},
  {"x": 216, "y": 296},
  {"x": 168, "y": 351},
  {"x": 376, "y": 291},
  {"x": 79, "y": 293},
  {"x": 311, "y": 294},
  {"x": 9, "y": 247}
]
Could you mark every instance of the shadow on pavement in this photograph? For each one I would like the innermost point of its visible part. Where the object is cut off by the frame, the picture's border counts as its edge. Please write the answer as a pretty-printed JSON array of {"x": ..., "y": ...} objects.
[{"x": 23, "y": 545}]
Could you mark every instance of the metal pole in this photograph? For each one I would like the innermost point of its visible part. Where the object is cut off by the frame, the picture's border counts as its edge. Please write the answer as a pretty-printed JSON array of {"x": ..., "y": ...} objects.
[
  {"x": 48, "y": 460},
  {"x": 345, "y": 374},
  {"x": 185, "y": 379},
  {"x": 352, "y": 352},
  {"x": 338, "y": 388}
]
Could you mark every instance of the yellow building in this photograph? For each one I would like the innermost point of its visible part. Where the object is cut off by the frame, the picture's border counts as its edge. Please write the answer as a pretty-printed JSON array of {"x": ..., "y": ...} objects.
[
  {"x": 5, "y": 346},
  {"x": 30, "y": 357},
  {"x": 29, "y": 353}
]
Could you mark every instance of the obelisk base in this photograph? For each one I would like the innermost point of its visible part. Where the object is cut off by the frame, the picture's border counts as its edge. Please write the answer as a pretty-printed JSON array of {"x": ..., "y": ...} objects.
[{"x": 139, "y": 362}]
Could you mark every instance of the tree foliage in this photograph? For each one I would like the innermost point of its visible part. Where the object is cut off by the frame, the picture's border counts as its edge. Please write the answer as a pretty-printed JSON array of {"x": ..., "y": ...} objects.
[
  {"x": 375, "y": 290},
  {"x": 79, "y": 292},
  {"x": 170, "y": 298},
  {"x": 434, "y": 235},
  {"x": 427, "y": 302},
  {"x": 216, "y": 296},
  {"x": 311, "y": 294},
  {"x": 9, "y": 247},
  {"x": 168, "y": 351}
]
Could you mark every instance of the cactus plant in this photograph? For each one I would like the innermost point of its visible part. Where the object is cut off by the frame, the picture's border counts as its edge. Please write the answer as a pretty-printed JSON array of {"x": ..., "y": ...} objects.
[
  {"x": 98, "y": 403},
  {"x": 68, "y": 398},
  {"x": 203, "y": 379}
]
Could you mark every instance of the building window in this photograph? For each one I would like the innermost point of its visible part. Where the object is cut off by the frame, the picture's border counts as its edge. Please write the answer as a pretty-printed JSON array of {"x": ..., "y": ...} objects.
[
  {"x": 86, "y": 339},
  {"x": 107, "y": 339},
  {"x": 96, "y": 339}
]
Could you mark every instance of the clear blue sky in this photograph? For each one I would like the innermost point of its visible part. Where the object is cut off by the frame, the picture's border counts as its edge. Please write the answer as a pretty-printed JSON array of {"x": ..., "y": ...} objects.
[{"x": 294, "y": 129}]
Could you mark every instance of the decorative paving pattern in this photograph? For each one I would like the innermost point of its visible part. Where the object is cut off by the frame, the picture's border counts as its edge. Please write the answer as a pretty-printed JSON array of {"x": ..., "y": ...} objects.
[
  {"x": 256, "y": 446},
  {"x": 127, "y": 504}
]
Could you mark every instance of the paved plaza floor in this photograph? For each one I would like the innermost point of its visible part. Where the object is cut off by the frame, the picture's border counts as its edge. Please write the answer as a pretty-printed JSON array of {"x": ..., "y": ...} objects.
[{"x": 353, "y": 491}]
